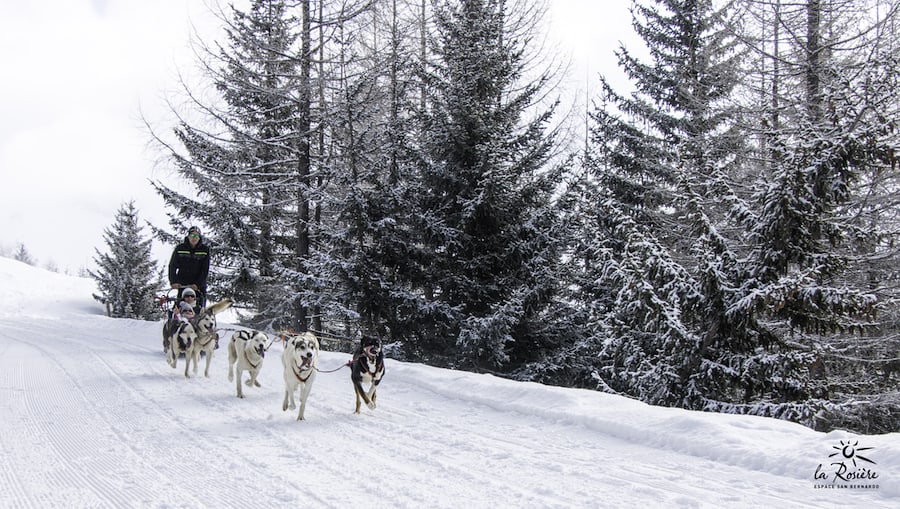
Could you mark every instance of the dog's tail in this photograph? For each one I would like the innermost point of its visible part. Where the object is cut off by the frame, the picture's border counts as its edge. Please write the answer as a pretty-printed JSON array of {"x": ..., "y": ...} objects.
[{"x": 220, "y": 306}]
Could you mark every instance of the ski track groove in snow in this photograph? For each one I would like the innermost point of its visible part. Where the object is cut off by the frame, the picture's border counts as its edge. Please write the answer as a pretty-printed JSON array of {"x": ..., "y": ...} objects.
[
  {"x": 102, "y": 444},
  {"x": 288, "y": 484},
  {"x": 471, "y": 457},
  {"x": 15, "y": 495},
  {"x": 71, "y": 443},
  {"x": 211, "y": 480},
  {"x": 126, "y": 429}
]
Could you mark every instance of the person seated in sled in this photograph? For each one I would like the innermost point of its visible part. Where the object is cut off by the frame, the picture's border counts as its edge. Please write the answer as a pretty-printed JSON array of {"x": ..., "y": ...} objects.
[
  {"x": 189, "y": 267},
  {"x": 184, "y": 311},
  {"x": 187, "y": 306}
]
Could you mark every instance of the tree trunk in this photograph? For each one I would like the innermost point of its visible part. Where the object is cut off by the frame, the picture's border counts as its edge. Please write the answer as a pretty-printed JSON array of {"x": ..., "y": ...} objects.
[
  {"x": 813, "y": 59},
  {"x": 303, "y": 163}
]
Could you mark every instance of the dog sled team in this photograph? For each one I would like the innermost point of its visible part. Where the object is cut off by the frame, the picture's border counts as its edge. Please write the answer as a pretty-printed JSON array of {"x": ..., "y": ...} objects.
[
  {"x": 300, "y": 363},
  {"x": 190, "y": 330},
  {"x": 247, "y": 351}
]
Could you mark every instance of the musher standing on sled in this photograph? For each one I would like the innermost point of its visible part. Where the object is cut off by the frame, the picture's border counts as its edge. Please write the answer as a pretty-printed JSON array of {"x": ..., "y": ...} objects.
[{"x": 189, "y": 266}]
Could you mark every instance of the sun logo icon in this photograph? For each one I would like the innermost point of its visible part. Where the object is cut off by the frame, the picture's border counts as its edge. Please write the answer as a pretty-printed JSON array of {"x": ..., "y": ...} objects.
[{"x": 850, "y": 451}]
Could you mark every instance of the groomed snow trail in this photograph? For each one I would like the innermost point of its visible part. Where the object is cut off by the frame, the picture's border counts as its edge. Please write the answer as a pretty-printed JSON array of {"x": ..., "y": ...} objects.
[{"x": 93, "y": 417}]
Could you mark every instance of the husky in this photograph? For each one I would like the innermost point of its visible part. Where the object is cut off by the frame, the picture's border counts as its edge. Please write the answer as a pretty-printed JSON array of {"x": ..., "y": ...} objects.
[
  {"x": 180, "y": 337},
  {"x": 207, "y": 336},
  {"x": 300, "y": 360},
  {"x": 246, "y": 351},
  {"x": 367, "y": 366}
]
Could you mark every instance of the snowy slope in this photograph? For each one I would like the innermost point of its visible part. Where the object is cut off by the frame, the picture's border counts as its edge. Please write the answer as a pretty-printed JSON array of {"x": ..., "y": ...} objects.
[{"x": 92, "y": 416}]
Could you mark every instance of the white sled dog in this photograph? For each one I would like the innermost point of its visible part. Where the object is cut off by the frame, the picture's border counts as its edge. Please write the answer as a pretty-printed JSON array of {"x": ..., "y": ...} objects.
[
  {"x": 207, "y": 336},
  {"x": 300, "y": 360},
  {"x": 246, "y": 351}
]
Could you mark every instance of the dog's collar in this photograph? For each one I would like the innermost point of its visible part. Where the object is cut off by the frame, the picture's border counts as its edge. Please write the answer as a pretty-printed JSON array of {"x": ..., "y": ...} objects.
[
  {"x": 367, "y": 351},
  {"x": 254, "y": 366},
  {"x": 296, "y": 374}
]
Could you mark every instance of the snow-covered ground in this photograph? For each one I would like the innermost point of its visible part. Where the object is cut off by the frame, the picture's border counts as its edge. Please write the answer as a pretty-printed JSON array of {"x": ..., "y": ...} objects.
[{"x": 92, "y": 416}]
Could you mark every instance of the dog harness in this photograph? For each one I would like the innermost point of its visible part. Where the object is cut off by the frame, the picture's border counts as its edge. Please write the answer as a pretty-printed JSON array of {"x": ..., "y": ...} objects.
[
  {"x": 298, "y": 374},
  {"x": 371, "y": 360},
  {"x": 254, "y": 366}
]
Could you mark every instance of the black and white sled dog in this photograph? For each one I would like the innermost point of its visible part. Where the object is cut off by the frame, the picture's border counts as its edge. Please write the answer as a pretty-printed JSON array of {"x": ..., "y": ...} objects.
[
  {"x": 367, "y": 366},
  {"x": 179, "y": 338},
  {"x": 300, "y": 360},
  {"x": 246, "y": 351},
  {"x": 207, "y": 336}
]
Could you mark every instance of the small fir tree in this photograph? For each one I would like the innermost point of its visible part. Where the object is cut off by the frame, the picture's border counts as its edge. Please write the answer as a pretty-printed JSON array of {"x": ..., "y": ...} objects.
[
  {"x": 127, "y": 276},
  {"x": 23, "y": 255}
]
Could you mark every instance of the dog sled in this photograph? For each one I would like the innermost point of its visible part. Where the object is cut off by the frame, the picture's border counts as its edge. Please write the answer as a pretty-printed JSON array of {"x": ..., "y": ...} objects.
[
  {"x": 167, "y": 300},
  {"x": 195, "y": 337}
]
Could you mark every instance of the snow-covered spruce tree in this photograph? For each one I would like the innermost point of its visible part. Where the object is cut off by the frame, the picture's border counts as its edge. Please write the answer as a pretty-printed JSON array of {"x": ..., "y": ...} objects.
[
  {"x": 646, "y": 332},
  {"x": 127, "y": 276},
  {"x": 486, "y": 222},
  {"x": 249, "y": 163},
  {"x": 825, "y": 235},
  {"x": 666, "y": 162},
  {"x": 23, "y": 255}
]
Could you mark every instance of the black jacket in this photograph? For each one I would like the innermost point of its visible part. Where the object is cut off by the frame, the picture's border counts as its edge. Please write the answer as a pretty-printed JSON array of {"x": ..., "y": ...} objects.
[{"x": 189, "y": 266}]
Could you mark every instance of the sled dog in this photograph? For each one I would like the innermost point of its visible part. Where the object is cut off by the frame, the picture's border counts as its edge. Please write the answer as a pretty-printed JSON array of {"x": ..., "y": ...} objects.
[
  {"x": 181, "y": 337},
  {"x": 367, "y": 366},
  {"x": 246, "y": 350},
  {"x": 207, "y": 336},
  {"x": 300, "y": 360}
]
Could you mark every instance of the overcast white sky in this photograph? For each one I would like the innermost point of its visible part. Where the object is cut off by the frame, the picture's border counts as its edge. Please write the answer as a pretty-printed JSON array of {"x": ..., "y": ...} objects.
[{"x": 76, "y": 75}]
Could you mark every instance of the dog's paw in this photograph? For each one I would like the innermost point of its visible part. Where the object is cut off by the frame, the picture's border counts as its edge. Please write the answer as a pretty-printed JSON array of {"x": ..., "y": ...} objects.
[
  {"x": 256, "y": 383},
  {"x": 371, "y": 405}
]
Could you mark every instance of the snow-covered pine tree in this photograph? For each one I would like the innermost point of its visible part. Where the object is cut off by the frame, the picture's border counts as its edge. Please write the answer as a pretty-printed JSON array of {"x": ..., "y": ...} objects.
[
  {"x": 488, "y": 255},
  {"x": 245, "y": 162},
  {"x": 825, "y": 234},
  {"x": 646, "y": 333},
  {"x": 127, "y": 276},
  {"x": 21, "y": 254},
  {"x": 666, "y": 162}
]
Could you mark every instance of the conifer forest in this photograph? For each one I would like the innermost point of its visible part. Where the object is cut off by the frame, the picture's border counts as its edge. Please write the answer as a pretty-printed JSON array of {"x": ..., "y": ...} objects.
[{"x": 721, "y": 236}]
